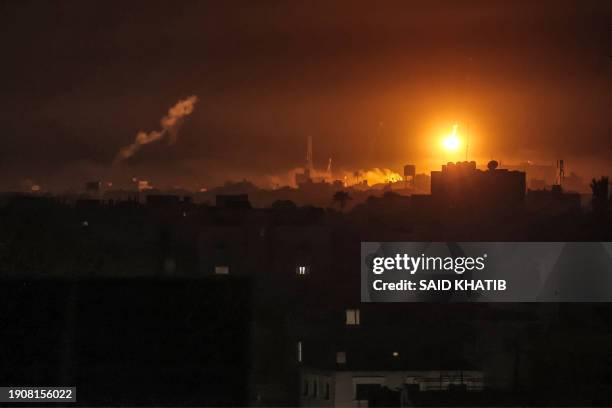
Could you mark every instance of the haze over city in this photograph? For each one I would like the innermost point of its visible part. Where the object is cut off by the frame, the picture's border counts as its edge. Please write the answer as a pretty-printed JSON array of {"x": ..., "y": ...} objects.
[
  {"x": 306, "y": 203},
  {"x": 374, "y": 85}
]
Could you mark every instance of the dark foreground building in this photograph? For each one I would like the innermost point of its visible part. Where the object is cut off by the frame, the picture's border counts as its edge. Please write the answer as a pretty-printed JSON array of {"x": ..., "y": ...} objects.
[
  {"x": 146, "y": 342},
  {"x": 461, "y": 184},
  {"x": 174, "y": 303}
]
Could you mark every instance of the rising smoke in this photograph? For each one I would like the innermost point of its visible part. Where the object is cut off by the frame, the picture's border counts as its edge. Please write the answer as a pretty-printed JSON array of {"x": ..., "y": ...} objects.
[
  {"x": 373, "y": 176},
  {"x": 169, "y": 126}
]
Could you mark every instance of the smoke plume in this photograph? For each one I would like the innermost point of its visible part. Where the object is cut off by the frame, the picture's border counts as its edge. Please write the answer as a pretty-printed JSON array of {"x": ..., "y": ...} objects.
[
  {"x": 372, "y": 176},
  {"x": 169, "y": 126}
]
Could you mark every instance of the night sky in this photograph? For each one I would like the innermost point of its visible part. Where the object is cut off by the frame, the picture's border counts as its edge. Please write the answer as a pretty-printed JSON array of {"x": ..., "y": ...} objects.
[{"x": 374, "y": 83}]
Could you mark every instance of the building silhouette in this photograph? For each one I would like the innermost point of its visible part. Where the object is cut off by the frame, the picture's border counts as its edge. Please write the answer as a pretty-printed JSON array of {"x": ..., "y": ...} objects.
[{"x": 461, "y": 184}]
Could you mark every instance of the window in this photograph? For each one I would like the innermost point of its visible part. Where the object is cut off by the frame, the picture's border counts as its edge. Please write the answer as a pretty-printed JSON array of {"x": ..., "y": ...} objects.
[
  {"x": 221, "y": 270},
  {"x": 341, "y": 357},
  {"x": 305, "y": 387},
  {"x": 299, "y": 351},
  {"x": 352, "y": 317},
  {"x": 326, "y": 395},
  {"x": 302, "y": 270}
]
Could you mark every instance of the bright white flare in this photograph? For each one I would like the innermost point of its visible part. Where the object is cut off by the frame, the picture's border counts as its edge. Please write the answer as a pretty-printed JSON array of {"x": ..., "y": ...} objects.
[{"x": 451, "y": 142}]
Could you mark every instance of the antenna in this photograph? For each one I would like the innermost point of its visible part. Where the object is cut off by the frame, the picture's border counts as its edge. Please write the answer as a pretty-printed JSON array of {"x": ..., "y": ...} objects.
[
  {"x": 309, "y": 164},
  {"x": 561, "y": 167},
  {"x": 467, "y": 140}
]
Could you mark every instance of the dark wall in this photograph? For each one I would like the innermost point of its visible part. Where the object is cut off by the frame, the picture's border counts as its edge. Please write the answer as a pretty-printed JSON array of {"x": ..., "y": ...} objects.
[{"x": 128, "y": 342}]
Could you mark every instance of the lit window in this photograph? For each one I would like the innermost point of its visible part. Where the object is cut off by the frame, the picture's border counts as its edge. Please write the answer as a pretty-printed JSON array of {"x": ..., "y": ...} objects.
[
  {"x": 299, "y": 351},
  {"x": 302, "y": 270},
  {"x": 352, "y": 317},
  {"x": 221, "y": 270},
  {"x": 341, "y": 357}
]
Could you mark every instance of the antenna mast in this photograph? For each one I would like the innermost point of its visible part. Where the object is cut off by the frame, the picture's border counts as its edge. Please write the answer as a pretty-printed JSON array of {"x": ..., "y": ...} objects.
[
  {"x": 467, "y": 141},
  {"x": 309, "y": 164}
]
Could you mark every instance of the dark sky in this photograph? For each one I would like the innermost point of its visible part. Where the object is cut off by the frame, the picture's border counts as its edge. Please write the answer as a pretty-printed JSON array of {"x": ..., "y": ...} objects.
[{"x": 532, "y": 80}]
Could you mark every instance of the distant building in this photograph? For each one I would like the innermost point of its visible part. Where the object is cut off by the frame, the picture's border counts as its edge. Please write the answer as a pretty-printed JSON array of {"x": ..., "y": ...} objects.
[
  {"x": 233, "y": 201},
  {"x": 303, "y": 178},
  {"x": 537, "y": 184},
  {"x": 310, "y": 174},
  {"x": 421, "y": 183},
  {"x": 461, "y": 184},
  {"x": 552, "y": 202},
  {"x": 362, "y": 388},
  {"x": 87, "y": 204},
  {"x": 161, "y": 200},
  {"x": 575, "y": 183},
  {"x": 93, "y": 187},
  {"x": 545, "y": 172},
  {"x": 308, "y": 177}
]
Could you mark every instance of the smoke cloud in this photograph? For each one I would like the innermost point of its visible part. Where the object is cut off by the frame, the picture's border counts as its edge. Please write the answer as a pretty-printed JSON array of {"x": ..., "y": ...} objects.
[
  {"x": 169, "y": 123},
  {"x": 350, "y": 178},
  {"x": 373, "y": 176}
]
